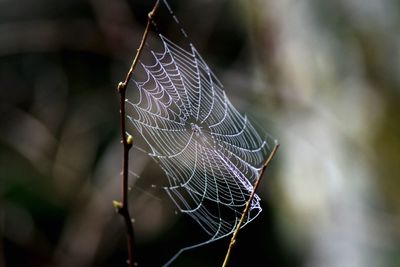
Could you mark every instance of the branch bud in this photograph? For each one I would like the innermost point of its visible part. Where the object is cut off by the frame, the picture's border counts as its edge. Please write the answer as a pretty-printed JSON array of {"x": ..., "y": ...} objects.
[
  {"x": 129, "y": 139},
  {"x": 121, "y": 87},
  {"x": 117, "y": 205}
]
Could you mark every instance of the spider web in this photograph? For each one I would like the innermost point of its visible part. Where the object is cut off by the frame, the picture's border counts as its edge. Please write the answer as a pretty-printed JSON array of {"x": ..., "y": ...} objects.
[{"x": 210, "y": 153}]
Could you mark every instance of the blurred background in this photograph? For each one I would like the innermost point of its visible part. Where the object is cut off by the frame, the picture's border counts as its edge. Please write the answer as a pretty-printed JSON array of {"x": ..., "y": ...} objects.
[{"x": 322, "y": 77}]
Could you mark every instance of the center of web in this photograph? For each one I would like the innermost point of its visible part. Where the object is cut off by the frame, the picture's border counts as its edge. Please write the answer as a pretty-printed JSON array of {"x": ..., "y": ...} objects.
[
  {"x": 200, "y": 134},
  {"x": 196, "y": 129}
]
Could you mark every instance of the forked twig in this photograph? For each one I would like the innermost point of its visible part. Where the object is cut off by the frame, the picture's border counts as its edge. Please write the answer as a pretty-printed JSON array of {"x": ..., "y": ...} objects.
[
  {"x": 248, "y": 204},
  {"x": 126, "y": 141}
]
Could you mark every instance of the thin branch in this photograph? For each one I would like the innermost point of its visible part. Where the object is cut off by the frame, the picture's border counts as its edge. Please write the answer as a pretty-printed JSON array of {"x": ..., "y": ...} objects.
[
  {"x": 126, "y": 141},
  {"x": 144, "y": 38},
  {"x": 248, "y": 204}
]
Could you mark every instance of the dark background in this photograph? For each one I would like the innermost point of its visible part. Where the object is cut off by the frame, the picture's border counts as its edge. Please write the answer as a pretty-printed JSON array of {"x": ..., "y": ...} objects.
[{"x": 320, "y": 76}]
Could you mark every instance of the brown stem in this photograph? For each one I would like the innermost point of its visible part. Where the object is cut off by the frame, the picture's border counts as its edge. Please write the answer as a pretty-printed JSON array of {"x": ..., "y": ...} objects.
[
  {"x": 248, "y": 204},
  {"x": 126, "y": 141}
]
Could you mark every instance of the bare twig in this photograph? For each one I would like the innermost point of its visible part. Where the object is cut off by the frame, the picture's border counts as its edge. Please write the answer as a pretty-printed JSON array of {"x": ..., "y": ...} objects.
[
  {"x": 126, "y": 141},
  {"x": 248, "y": 204}
]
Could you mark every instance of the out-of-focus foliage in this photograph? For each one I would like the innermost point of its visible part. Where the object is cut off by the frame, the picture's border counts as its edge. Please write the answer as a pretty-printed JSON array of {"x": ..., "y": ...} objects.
[{"x": 320, "y": 76}]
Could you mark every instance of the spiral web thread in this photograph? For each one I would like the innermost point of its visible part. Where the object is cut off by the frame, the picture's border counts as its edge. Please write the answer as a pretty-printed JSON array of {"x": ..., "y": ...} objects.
[{"x": 210, "y": 153}]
